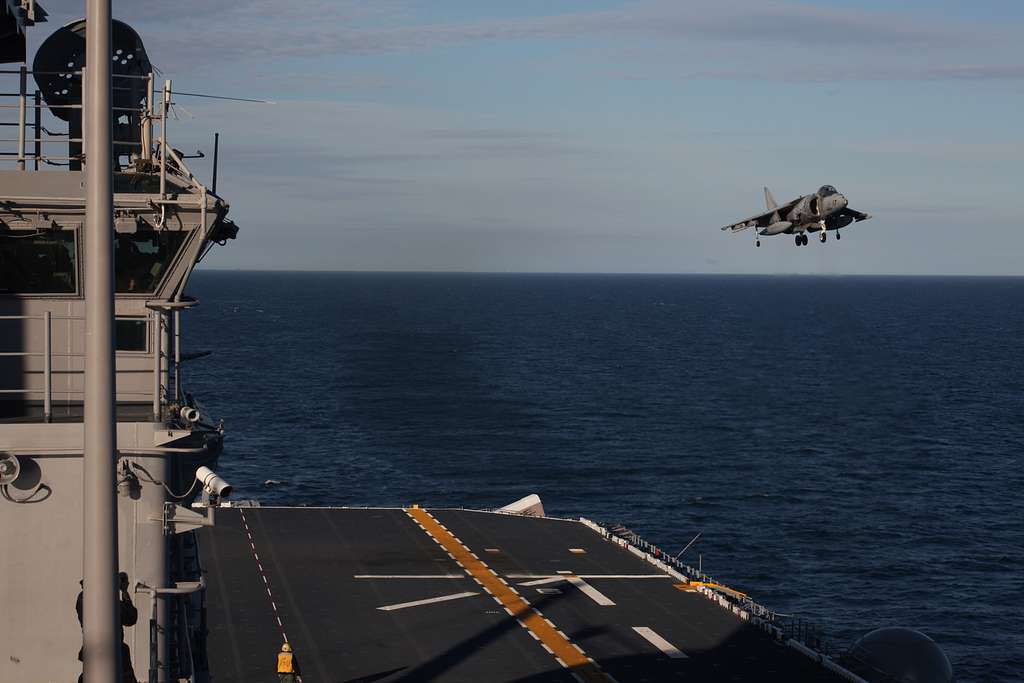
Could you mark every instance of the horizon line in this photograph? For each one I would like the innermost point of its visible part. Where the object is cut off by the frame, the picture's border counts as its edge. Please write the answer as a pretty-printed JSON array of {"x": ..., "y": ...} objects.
[{"x": 608, "y": 273}]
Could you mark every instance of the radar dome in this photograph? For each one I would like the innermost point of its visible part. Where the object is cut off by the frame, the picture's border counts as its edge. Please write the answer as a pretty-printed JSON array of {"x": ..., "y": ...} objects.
[{"x": 898, "y": 655}]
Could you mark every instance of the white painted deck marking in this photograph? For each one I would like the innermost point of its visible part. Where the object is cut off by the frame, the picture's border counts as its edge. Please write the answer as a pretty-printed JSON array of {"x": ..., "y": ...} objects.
[
  {"x": 583, "y": 668},
  {"x": 588, "y": 590},
  {"x": 577, "y": 551},
  {"x": 266, "y": 583},
  {"x": 428, "y": 601},
  {"x": 541, "y": 582},
  {"x": 591, "y": 592},
  {"x": 667, "y": 648},
  {"x": 410, "y": 576},
  {"x": 589, "y": 576}
]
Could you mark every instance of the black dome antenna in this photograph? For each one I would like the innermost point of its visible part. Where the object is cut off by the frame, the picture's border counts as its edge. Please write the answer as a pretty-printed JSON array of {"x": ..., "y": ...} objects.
[{"x": 57, "y": 69}]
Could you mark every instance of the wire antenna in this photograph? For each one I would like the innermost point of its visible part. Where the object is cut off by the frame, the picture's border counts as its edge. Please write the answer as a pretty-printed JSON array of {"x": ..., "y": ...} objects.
[{"x": 222, "y": 97}]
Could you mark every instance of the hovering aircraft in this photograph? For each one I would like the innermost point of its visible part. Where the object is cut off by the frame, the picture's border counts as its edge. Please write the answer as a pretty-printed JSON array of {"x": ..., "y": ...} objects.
[{"x": 820, "y": 212}]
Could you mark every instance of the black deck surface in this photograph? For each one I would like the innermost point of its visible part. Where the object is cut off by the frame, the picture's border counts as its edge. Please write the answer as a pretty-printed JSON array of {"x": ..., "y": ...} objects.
[{"x": 311, "y": 557}]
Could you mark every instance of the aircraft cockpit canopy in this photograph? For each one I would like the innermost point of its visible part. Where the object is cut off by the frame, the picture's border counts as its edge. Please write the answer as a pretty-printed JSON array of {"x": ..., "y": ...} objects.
[{"x": 826, "y": 190}]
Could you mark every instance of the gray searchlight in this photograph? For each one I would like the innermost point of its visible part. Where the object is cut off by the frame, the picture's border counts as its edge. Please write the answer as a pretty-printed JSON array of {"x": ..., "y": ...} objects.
[
  {"x": 10, "y": 469},
  {"x": 213, "y": 485}
]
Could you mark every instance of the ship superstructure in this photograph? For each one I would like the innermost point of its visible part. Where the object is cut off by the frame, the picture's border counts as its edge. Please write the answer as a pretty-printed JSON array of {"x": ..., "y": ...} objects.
[{"x": 165, "y": 219}]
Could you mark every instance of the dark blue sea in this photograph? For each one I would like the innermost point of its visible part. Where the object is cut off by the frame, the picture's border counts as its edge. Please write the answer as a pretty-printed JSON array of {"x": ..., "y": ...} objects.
[{"x": 849, "y": 447}]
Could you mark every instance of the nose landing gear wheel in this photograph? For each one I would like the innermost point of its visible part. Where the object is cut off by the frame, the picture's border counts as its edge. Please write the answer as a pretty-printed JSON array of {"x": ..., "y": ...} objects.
[
  {"x": 757, "y": 243},
  {"x": 823, "y": 237}
]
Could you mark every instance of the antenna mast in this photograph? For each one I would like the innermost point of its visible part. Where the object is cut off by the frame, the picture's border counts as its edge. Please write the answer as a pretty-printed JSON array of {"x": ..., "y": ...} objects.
[{"x": 101, "y": 647}]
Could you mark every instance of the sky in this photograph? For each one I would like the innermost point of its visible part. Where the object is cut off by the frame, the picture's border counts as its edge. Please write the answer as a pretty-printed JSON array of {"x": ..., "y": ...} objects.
[{"x": 598, "y": 135}]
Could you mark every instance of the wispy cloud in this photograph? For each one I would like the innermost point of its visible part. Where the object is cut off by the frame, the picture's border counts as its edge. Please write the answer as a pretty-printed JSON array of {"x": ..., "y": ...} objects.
[
  {"x": 956, "y": 150},
  {"x": 488, "y": 134},
  {"x": 192, "y": 33},
  {"x": 867, "y": 72}
]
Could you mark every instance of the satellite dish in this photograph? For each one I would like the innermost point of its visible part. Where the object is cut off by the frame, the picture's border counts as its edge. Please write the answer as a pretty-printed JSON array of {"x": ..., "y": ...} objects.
[
  {"x": 63, "y": 53},
  {"x": 898, "y": 655},
  {"x": 10, "y": 469}
]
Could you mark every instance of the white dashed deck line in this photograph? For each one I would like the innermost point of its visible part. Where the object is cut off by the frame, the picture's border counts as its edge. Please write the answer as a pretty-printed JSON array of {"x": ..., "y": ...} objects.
[
  {"x": 666, "y": 648},
  {"x": 428, "y": 601},
  {"x": 266, "y": 583}
]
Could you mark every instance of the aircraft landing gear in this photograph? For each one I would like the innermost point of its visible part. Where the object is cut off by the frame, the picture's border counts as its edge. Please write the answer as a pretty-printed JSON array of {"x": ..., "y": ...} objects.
[
  {"x": 801, "y": 239},
  {"x": 757, "y": 243},
  {"x": 823, "y": 236},
  {"x": 838, "y": 235},
  {"x": 798, "y": 240}
]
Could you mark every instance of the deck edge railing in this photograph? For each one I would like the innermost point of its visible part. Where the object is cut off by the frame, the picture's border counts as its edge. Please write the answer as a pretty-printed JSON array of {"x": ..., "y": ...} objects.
[
  {"x": 796, "y": 632},
  {"x": 160, "y": 347}
]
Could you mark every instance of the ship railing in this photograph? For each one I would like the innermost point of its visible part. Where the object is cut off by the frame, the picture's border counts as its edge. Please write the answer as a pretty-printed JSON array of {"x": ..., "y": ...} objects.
[
  {"x": 35, "y": 130},
  {"x": 157, "y": 326},
  {"x": 25, "y": 111},
  {"x": 783, "y": 626}
]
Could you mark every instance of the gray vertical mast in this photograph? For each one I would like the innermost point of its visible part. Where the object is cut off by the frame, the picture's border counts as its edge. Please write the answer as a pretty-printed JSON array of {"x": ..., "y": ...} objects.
[{"x": 102, "y": 651}]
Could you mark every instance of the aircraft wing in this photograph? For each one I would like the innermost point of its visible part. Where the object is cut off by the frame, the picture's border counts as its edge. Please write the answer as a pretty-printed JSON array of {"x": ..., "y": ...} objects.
[
  {"x": 763, "y": 220},
  {"x": 857, "y": 216}
]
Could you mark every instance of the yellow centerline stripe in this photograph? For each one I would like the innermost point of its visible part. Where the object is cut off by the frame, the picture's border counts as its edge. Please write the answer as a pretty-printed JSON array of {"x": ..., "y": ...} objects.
[{"x": 553, "y": 640}]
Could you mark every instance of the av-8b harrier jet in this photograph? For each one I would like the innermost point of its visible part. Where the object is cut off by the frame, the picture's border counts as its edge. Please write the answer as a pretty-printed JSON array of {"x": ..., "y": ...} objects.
[{"x": 820, "y": 212}]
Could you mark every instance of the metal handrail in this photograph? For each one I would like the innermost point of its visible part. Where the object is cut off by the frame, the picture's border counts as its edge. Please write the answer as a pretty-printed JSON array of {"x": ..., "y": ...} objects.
[
  {"x": 47, "y": 354},
  {"x": 29, "y": 105},
  {"x": 160, "y": 347},
  {"x": 76, "y": 72},
  {"x": 793, "y": 626}
]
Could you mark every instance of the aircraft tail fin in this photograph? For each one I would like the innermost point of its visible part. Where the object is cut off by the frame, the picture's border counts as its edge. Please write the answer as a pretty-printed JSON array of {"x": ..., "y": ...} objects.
[{"x": 769, "y": 200}]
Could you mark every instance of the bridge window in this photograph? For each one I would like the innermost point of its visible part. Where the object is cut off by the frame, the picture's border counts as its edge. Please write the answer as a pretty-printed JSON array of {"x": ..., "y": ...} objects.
[
  {"x": 38, "y": 262},
  {"x": 130, "y": 334},
  {"x": 141, "y": 258}
]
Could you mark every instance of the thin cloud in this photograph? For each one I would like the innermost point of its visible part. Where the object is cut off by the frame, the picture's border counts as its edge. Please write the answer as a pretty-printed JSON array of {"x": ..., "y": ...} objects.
[
  {"x": 888, "y": 72},
  {"x": 196, "y": 34},
  {"x": 488, "y": 134}
]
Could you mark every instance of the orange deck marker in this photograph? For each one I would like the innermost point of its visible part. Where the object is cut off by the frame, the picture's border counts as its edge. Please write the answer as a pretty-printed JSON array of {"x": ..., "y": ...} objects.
[{"x": 566, "y": 653}]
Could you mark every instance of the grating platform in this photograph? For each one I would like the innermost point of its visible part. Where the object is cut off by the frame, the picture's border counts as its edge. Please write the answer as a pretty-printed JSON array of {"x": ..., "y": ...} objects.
[{"x": 450, "y": 595}]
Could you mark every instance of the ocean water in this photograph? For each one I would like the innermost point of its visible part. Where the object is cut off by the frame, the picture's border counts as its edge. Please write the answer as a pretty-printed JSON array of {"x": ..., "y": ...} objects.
[{"x": 849, "y": 447}]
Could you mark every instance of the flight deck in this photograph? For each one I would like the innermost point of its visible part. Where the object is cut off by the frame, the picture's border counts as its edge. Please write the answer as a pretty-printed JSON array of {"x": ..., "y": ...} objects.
[{"x": 401, "y": 595}]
